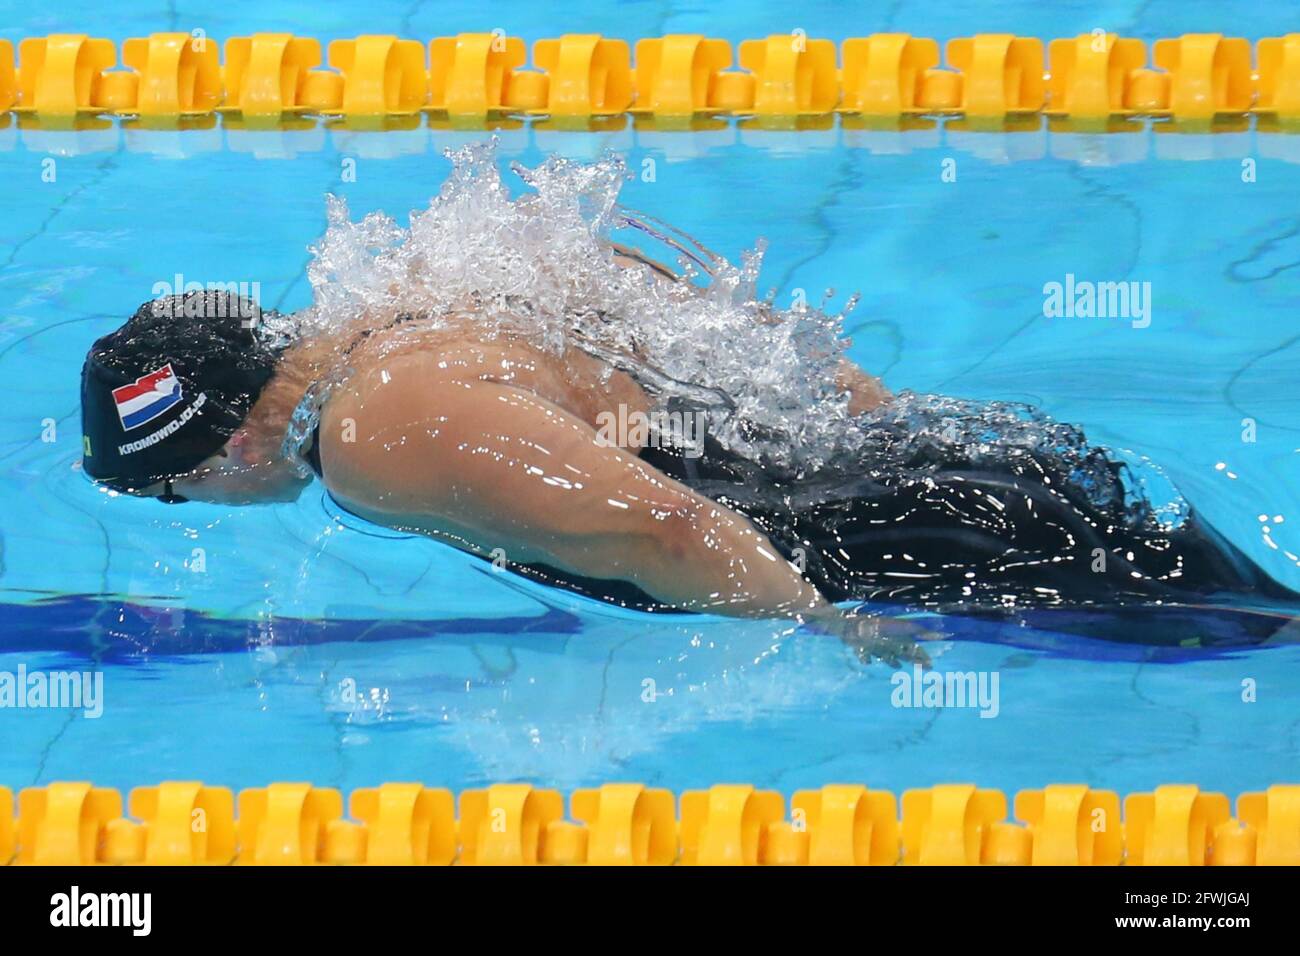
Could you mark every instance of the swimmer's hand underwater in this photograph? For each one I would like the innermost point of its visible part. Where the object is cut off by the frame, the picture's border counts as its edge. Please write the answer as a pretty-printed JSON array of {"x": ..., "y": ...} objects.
[
  {"x": 872, "y": 636},
  {"x": 486, "y": 443}
]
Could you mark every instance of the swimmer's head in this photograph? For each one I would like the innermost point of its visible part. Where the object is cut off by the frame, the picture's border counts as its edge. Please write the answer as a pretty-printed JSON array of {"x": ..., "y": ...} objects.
[{"x": 164, "y": 395}]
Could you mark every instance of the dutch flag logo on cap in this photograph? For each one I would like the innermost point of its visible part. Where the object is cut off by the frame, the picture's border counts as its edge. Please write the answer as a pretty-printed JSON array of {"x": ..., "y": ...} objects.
[{"x": 147, "y": 397}]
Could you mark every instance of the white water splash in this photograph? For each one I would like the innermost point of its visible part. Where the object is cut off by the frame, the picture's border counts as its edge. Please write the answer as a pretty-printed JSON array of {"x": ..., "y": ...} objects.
[{"x": 542, "y": 265}]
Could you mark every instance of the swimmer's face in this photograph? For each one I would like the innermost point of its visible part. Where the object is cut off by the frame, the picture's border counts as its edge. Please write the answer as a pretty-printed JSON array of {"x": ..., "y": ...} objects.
[{"x": 244, "y": 471}]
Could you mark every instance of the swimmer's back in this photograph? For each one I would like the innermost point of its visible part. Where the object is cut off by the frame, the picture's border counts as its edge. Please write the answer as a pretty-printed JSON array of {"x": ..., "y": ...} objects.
[{"x": 462, "y": 349}]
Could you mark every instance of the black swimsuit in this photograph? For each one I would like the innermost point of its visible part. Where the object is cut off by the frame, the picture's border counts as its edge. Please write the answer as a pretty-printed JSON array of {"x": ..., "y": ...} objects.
[
  {"x": 990, "y": 539},
  {"x": 945, "y": 533}
]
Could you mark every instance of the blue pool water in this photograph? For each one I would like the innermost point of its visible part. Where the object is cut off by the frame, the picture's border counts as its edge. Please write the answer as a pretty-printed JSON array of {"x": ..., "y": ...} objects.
[{"x": 316, "y": 647}]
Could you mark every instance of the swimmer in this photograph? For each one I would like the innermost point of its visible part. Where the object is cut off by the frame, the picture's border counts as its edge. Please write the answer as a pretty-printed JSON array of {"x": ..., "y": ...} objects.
[
  {"x": 481, "y": 443},
  {"x": 491, "y": 443}
]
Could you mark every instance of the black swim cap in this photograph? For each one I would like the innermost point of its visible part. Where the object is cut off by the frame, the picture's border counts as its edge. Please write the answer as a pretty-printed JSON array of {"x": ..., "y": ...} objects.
[{"x": 168, "y": 389}]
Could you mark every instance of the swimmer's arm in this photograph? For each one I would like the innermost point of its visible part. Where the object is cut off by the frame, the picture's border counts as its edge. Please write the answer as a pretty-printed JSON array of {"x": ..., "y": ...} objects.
[{"x": 500, "y": 467}]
